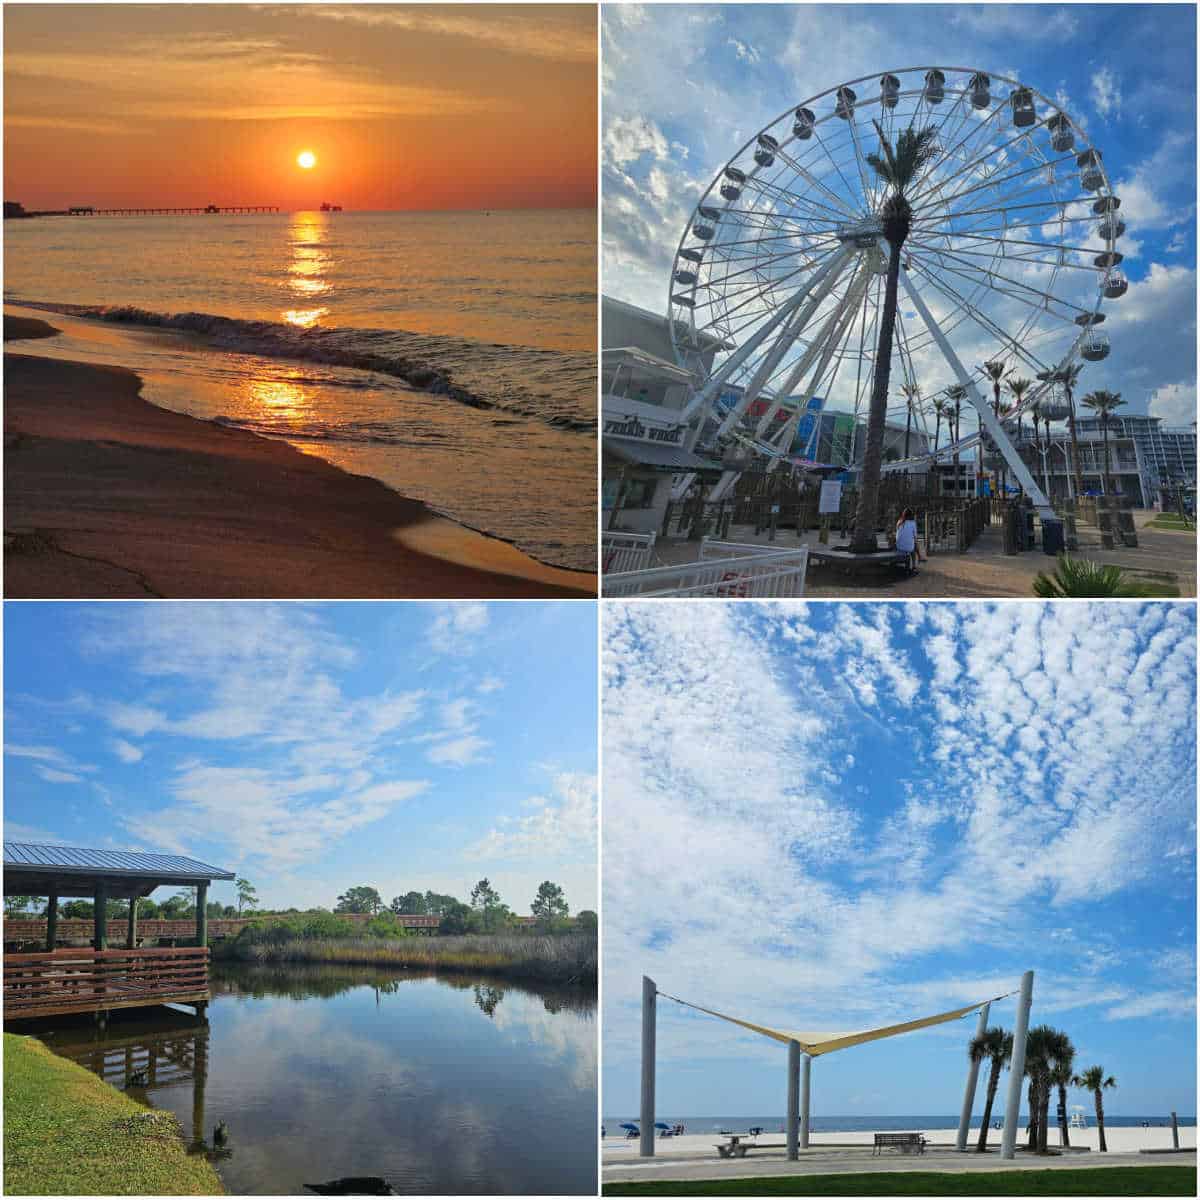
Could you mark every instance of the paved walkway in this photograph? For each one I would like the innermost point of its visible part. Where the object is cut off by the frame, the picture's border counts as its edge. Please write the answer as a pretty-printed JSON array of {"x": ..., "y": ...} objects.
[
  {"x": 828, "y": 1160},
  {"x": 983, "y": 571}
]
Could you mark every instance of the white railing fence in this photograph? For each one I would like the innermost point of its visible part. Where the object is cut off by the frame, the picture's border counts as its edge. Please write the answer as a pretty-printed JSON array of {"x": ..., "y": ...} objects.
[
  {"x": 625, "y": 551},
  {"x": 763, "y": 573}
]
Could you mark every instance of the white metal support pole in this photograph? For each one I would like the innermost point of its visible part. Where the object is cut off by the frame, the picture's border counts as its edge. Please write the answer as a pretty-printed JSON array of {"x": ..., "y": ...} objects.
[
  {"x": 793, "y": 1103},
  {"x": 784, "y": 343},
  {"x": 825, "y": 343},
  {"x": 805, "y": 1097},
  {"x": 1016, "y": 1070},
  {"x": 646, "y": 1127},
  {"x": 964, "y": 1118},
  {"x": 709, "y": 391},
  {"x": 986, "y": 416}
]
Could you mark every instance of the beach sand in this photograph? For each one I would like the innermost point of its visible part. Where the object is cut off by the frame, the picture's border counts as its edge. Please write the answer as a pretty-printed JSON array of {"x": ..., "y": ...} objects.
[
  {"x": 107, "y": 495},
  {"x": 1120, "y": 1141}
]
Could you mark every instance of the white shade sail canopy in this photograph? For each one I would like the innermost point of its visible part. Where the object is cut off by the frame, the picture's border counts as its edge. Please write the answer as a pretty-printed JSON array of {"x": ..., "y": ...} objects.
[{"x": 815, "y": 1044}]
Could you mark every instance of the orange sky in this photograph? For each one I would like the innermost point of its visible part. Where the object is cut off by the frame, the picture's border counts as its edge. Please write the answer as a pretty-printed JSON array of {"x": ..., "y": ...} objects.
[{"x": 406, "y": 107}]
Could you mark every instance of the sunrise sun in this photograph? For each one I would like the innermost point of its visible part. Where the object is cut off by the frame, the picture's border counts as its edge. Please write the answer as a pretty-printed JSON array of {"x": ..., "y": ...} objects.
[{"x": 307, "y": 159}]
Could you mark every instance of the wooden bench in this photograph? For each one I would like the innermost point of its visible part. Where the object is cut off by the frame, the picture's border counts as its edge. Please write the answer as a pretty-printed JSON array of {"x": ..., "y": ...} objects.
[{"x": 906, "y": 1143}]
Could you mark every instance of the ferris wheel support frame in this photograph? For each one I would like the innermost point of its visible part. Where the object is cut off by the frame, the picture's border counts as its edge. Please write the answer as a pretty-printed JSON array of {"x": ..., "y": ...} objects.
[
  {"x": 792, "y": 330},
  {"x": 987, "y": 417},
  {"x": 717, "y": 381},
  {"x": 824, "y": 344}
]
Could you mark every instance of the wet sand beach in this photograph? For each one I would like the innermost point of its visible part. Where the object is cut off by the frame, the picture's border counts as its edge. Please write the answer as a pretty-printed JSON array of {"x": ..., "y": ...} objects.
[{"x": 109, "y": 496}]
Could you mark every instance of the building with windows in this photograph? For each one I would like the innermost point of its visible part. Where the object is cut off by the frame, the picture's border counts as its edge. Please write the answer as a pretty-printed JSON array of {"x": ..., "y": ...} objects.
[
  {"x": 1145, "y": 457},
  {"x": 649, "y": 455}
]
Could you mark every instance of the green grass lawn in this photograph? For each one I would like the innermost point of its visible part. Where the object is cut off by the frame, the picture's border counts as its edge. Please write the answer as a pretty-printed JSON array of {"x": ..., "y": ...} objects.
[
  {"x": 1170, "y": 521},
  {"x": 1089, "y": 1181},
  {"x": 68, "y": 1133}
]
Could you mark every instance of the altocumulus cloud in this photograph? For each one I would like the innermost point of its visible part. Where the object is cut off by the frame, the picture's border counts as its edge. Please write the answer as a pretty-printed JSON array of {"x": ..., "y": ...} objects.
[{"x": 875, "y": 807}]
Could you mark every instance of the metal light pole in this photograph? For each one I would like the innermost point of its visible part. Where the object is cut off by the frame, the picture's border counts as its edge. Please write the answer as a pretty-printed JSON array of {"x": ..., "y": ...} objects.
[
  {"x": 649, "y": 1003},
  {"x": 964, "y": 1119},
  {"x": 1016, "y": 1073}
]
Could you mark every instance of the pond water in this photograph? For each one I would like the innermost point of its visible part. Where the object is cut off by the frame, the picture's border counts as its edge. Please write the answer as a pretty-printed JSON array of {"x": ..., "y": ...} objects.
[{"x": 439, "y": 1085}]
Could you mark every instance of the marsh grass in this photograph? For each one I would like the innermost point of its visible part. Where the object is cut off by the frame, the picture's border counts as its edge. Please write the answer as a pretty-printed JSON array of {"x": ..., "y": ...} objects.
[{"x": 568, "y": 958}]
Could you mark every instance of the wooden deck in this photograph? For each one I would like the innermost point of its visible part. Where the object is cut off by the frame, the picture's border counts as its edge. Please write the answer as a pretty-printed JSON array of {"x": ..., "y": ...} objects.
[{"x": 81, "y": 981}]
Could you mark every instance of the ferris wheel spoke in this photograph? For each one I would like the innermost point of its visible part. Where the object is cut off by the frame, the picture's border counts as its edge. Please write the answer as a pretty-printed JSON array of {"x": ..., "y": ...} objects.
[
  {"x": 813, "y": 181},
  {"x": 995, "y": 182},
  {"x": 819, "y": 138},
  {"x": 1046, "y": 298},
  {"x": 992, "y": 150},
  {"x": 1000, "y": 254},
  {"x": 712, "y": 282},
  {"x": 781, "y": 195},
  {"x": 1015, "y": 345}
]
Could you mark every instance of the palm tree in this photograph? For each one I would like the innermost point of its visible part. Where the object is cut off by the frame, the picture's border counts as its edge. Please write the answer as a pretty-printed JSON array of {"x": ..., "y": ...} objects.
[
  {"x": 912, "y": 396},
  {"x": 1039, "y": 1044},
  {"x": 957, "y": 394},
  {"x": 1103, "y": 404},
  {"x": 1068, "y": 377},
  {"x": 1062, "y": 1069},
  {"x": 1094, "y": 1080},
  {"x": 995, "y": 370},
  {"x": 898, "y": 167},
  {"x": 995, "y": 1045},
  {"x": 941, "y": 408},
  {"x": 1018, "y": 388}
]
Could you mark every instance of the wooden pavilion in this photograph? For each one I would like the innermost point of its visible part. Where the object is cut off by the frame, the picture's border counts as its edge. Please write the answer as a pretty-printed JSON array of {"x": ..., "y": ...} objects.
[{"x": 99, "y": 979}]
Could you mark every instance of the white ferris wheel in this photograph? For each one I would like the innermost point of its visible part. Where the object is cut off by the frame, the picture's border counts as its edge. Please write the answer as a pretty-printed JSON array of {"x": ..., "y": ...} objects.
[{"x": 778, "y": 280}]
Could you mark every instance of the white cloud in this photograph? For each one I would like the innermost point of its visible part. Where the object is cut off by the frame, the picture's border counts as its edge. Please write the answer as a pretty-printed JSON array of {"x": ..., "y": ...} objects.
[
  {"x": 458, "y": 751},
  {"x": 456, "y": 628},
  {"x": 1175, "y": 403},
  {"x": 745, "y": 51},
  {"x": 53, "y": 775},
  {"x": 1042, "y": 756},
  {"x": 1106, "y": 92},
  {"x": 562, "y": 825},
  {"x": 627, "y": 139},
  {"x": 126, "y": 751}
]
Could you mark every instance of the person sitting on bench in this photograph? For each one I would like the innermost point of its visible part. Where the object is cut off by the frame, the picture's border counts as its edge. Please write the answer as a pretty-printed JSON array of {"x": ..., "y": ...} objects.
[{"x": 906, "y": 538}]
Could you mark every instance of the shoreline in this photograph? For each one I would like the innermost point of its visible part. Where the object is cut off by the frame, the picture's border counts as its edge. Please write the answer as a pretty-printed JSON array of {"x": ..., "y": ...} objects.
[
  {"x": 67, "y": 1132},
  {"x": 527, "y": 957},
  {"x": 110, "y": 495}
]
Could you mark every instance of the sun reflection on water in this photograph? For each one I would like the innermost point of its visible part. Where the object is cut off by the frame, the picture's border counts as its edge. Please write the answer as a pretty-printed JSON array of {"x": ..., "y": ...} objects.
[
  {"x": 310, "y": 266},
  {"x": 278, "y": 400}
]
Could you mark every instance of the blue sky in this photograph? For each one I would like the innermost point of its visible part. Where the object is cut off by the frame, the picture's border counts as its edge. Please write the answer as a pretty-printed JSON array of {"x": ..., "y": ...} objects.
[
  {"x": 685, "y": 86},
  {"x": 312, "y": 748},
  {"x": 834, "y": 816}
]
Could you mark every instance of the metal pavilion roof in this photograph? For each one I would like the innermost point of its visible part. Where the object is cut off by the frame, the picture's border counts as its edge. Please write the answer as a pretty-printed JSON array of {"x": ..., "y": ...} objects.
[{"x": 29, "y": 860}]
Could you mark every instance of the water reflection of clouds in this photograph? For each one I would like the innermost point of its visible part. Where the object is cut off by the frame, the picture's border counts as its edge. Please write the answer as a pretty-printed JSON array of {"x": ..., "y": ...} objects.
[
  {"x": 309, "y": 268},
  {"x": 559, "y": 1036}
]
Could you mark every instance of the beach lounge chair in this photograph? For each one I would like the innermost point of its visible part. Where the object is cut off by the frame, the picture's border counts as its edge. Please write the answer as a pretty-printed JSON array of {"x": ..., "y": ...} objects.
[{"x": 631, "y": 1131}]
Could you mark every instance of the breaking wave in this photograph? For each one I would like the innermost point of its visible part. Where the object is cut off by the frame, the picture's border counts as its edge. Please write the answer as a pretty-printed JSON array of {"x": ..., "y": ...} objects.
[{"x": 557, "y": 387}]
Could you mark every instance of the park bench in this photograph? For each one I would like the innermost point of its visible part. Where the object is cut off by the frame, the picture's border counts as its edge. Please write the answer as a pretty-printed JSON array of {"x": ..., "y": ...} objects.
[{"x": 906, "y": 1143}]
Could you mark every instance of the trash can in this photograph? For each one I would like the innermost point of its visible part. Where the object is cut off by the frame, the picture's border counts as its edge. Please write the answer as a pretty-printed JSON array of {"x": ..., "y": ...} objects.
[{"x": 1053, "y": 542}]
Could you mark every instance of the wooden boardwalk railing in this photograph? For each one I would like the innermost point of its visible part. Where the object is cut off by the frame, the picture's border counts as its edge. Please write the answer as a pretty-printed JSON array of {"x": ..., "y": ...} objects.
[{"x": 77, "y": 981}]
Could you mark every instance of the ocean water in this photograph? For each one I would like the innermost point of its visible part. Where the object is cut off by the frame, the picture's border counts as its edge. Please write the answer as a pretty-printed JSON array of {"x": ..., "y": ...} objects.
[{"x": 451, "y": 355}]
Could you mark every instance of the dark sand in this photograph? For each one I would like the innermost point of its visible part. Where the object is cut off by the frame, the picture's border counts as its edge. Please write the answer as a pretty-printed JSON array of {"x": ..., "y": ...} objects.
[{"x": 108, "y": 496}]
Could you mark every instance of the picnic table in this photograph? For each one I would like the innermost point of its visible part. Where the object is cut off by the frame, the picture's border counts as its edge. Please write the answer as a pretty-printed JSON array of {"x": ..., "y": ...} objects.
[{"x": 737, "y": 1146}]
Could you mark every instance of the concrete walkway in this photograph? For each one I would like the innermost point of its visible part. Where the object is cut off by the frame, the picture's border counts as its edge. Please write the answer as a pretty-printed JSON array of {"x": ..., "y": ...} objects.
[
  {"x": 984, "y": 571},
  {"x": 830, "y": 1160}
]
